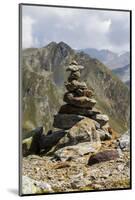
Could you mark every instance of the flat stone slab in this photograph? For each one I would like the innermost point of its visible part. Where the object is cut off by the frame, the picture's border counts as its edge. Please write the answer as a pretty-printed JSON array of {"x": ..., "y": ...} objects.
[
  {"x": 66, "y": 121},
  {"x": 83, "y": 102},
  {"x": 74, "y": 68},
  {"x": 103, "y": 157},
  {"x": 69, "y": 109}
]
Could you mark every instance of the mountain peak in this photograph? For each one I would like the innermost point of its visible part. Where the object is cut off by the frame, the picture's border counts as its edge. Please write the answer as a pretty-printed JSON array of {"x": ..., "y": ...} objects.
[
  {"x": 63, "y": 45},
  {"x": 51, "y": 44}
]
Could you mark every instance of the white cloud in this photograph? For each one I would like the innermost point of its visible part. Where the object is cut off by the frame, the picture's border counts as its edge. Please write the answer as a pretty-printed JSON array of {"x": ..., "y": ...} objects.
[
  {"x": 27, "y": 37},
  {"x": 79, "y": 28}
]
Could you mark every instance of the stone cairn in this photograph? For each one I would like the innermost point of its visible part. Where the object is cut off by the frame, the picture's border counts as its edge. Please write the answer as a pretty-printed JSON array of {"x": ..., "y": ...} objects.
[
  {"x": 79, "y": 102},
  {"x": 82, "y": 127}
]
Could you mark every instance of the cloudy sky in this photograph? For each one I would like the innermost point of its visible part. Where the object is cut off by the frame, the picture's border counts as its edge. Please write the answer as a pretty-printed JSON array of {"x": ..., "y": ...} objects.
[{"x": 79, "y": 28}]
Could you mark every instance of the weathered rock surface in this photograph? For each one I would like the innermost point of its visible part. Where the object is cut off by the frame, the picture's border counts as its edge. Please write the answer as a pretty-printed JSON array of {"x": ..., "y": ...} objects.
[
  {"x": 41, "y": 142},
  {"x": 49, "y": 141},
  {"x": 26, "y": 144},
  {"x": 83, "y": 131},
  {"x": 66, "y": 121},
  {"x": 33, "y": 132},
  {"x": 31, "y": 186},
  {"x": 101, "y": 119},
  {"x": 103, "y": 157},
  {"x": 75, "y": 151},
  {"x": 106, "y": 126},
  {"x": 69, "y": 109},
  {"x": 74, "y": 68},
  {"x": 74, "y": 85},
  {"x": 83, "y": 102},
  {"x": 84, "y": 92},
  {"x": 104, "y": 135},
  {"x": 30, "y": 144},
  {"x": 124, "y": 142},
  {"x": 74, "y": 76}
]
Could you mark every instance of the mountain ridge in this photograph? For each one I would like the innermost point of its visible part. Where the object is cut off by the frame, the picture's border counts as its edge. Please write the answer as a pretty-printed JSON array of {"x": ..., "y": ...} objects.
[{"x": 111, "y": 59}]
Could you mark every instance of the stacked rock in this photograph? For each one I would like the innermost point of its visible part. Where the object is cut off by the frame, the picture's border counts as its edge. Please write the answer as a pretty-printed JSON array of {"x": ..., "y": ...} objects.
[{"x": 78, "y": 94}]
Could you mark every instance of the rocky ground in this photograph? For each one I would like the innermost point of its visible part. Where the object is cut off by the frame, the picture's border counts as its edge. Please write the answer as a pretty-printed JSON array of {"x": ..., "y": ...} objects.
[{"x": 47, "y": 174}]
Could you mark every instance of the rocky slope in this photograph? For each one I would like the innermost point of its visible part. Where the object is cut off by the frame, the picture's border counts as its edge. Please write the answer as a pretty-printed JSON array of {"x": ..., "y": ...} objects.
[
  {"x": 38, "y": 65},
  {"x": 40, "y": 98}
]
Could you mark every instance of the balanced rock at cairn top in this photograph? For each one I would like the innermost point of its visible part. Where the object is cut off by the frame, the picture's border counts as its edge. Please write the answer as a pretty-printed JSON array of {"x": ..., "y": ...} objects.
[{"x": 74, "y": 67}]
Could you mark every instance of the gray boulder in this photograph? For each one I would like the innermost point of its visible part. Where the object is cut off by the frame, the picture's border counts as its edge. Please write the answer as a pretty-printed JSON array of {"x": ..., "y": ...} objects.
[
  {"x": 124, "y": 141},
  {"x": 47, "y": 142},
  {"x": 66, "y": 121},
  {"x": 83, "y": 131},
  {"x": 103, "y": 157},
  {"x": 41, "y": 142},
  {"x": 101, "y": 119},
  {"x": 104, "y": 135},
  {"x": 75, "y": 151}
]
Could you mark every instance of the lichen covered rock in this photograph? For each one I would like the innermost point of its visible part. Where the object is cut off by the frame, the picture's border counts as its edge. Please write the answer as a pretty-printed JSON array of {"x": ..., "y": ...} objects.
[{"x": 31, "y": 186}]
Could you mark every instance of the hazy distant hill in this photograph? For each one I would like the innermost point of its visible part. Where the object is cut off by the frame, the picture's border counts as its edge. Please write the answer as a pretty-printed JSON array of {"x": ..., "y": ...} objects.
[
  {"x": 43, "y": 85},
  {"x": 123, "y": 73},
  {"x": 109, "y": 58}
]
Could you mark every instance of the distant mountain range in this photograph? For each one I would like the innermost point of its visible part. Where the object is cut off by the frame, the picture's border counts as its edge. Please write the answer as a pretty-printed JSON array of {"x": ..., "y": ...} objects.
[
  {"x": 43, "y": 85},
  {"x": 123, "y": 73},
  {"x": 118, "y": 63},
  {"x": 109, "y": 58}
]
